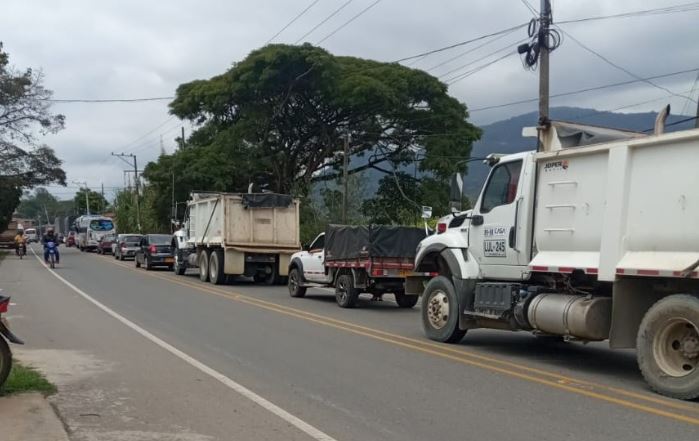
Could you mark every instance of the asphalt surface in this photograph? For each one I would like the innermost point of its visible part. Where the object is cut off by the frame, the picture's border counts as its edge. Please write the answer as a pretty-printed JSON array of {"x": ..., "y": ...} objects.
[{"x": 362, "y": 374}]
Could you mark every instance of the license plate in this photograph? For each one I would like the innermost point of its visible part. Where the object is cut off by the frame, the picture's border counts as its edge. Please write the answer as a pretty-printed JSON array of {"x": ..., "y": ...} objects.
[{"x": 169, "y": 260}]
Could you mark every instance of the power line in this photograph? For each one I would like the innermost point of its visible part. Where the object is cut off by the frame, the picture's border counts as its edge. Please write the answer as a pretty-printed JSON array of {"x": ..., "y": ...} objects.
[
  {"x": 588, "y": 89},
  {"x": 531, "y": 8},
  {"x": 691, "y": 93},
  {"x": 293, "y": 20},
  {"x": 322, "y": 22},
  {"x": 462, "y": 43},
  {"x": 458, "y": 78},
  {"x": 626, "y": 71},
  {"x": 359, "y": 14},
  {"x": 461, "y": 54},
  {"x": 502, "y": 49},
  {"x": 691, "y": 118},
  {"x": 115, "y": 100},
  {"x": 693, "y": 6}
]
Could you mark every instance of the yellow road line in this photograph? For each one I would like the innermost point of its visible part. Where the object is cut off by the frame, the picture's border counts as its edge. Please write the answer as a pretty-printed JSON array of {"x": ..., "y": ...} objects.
[{"x": 464, "y": 357}]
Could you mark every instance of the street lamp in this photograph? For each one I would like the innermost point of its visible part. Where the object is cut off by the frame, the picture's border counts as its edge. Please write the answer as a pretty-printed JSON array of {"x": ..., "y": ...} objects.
[{"x": 87, "y": 195}]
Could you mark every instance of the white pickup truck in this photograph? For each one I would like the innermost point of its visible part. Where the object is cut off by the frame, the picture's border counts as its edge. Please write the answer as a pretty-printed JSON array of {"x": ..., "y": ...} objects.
[{"x": 594, "y": 237}]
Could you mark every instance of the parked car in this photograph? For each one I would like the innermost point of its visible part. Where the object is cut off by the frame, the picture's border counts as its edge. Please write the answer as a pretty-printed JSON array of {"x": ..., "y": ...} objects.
[
  {"x": 70, "y": 239},
  {"x": 104, "y": 243},
  {"x": 155, "y": 250},
  {"x": 126, "y": 245}
]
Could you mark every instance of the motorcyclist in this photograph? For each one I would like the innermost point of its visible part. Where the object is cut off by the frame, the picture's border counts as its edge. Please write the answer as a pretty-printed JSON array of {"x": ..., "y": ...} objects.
[
  {"x": 20, "y": 242},
  {"x": 50, "y": 236}
]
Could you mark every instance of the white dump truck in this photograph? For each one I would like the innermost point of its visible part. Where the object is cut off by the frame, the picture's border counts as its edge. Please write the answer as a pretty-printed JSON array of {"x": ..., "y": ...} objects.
[
  {"x": 238, "y": 234},
  {"x": 594, "y": 237}
]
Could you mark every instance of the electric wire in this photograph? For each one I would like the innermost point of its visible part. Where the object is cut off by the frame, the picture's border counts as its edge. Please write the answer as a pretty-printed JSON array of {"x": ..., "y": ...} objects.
[
  {"x": 322, "y": 22},
  {"x": 359, "y": 14},
  {"x": 292, "y": 21}
]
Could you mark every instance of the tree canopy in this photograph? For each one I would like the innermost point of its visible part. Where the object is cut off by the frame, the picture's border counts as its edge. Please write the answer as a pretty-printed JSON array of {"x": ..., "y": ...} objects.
[
  {"x": 24, "y": 117},
  {"x": 280, "y": 118}
]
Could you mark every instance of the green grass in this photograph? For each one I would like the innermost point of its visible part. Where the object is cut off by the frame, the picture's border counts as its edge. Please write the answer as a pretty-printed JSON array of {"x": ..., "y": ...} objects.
[{"x": 26, "y": 379}]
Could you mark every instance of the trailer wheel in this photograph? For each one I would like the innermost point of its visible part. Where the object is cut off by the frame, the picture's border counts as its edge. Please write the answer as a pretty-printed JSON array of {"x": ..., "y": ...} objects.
[
  {"x": 345, "y": 292},
  {"x": 216, "y": 275},
  {"x": 405, "y": 301},
  {"x": 295, "y": 288},
  {"x": 204, "y": 265},
  {"x": 271, "y": 277},
  {"x": 668, "y": 346},
  {"x": 440, "y": 311}
]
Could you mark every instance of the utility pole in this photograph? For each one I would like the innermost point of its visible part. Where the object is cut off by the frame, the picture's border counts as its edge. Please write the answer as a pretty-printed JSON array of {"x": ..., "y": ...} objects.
[
  {"x": 87, "y": 195},
  {"x": 544, "y": 23},
  {"x": 345, "y": 182},
  {"x": 103, "y": 207},
  {"x": 174, "y": 207},
  {"x": 135, "y": 172}
]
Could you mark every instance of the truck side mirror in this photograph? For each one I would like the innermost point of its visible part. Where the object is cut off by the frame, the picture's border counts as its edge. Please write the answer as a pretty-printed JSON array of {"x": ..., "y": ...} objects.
[{"x": 477, "y": 220}]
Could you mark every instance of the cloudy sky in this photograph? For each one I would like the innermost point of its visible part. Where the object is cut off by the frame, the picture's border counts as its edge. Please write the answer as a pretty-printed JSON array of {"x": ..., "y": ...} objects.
[{"x": 133, "y": 49}]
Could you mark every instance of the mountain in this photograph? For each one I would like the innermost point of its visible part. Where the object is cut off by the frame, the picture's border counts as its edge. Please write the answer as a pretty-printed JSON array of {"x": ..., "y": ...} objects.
[{"x": 506, "y": 136}]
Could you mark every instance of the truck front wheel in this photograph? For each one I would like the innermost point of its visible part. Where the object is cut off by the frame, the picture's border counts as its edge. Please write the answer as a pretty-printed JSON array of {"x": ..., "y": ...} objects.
[
  {"x": 668, "y": 346},
  {"x": 345, "y": 292},
  {"x": 295, "y": 288},
  {"x": 440, "y": 311},
  {"x": 204, "y": 266}
]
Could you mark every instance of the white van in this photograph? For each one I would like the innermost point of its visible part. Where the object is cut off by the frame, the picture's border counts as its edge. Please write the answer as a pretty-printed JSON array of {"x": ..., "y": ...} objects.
[{"x": 30, "y": 234}]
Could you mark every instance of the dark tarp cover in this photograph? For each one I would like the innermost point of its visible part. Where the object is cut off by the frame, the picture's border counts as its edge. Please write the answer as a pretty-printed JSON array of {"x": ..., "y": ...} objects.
[
  {"x": 266, "y": 200},
  {"x": 364, "y": 241}
]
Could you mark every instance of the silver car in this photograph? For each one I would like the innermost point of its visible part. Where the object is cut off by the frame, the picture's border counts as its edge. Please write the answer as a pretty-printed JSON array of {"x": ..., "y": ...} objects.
[{"x": 125, "y": 246}]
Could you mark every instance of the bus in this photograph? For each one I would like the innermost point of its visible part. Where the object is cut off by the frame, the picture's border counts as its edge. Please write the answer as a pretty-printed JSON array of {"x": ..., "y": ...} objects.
[{"x": 91, "y": 229}]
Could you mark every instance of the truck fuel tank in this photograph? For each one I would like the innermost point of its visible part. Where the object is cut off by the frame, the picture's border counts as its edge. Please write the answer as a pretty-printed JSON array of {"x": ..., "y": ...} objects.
[{"x": 584, "y": 317}]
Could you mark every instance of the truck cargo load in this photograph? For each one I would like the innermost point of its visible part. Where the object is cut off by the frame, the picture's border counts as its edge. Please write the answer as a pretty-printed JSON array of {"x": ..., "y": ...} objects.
[{"x": 365, "y": 241}]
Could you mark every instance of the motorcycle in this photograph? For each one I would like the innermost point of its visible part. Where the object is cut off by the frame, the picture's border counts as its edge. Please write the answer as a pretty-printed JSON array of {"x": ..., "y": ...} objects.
[
  {"x": 51, "y": 246},
  {"x": 21, "y": 251},
  {"x": 7, "y": 336}
]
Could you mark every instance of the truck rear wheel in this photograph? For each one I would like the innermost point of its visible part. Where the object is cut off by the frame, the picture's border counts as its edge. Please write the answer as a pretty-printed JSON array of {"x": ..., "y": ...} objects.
[
  {"x": 440, "y": 311},
  {"x": 295, "y": 288},
  {"x": 405, "y": 301},
  {"x": 204, "y": 265},
  {"x": 345, "y": 292},
  {"x": 668, "y": 346},
  {"x": 216, "y": 275}
]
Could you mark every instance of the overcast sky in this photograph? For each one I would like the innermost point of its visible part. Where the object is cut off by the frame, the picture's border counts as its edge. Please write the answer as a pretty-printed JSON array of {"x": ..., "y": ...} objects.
[{"x": 132, "y": 49}]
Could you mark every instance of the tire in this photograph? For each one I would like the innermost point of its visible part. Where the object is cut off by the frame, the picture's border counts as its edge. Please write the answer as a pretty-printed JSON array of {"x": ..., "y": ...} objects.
[
  {"x": 294, "y": 283},
  {"x": 405, "y": 301},
  {"x": 271, "y": 278},
  {"x": 179, "y": 267},
  {"x": 346, "y": 294},
  {"x": 204, "y": 266},
  {"x": 135, "y": 259},
  {"x": 667, "y": 346},
  {"x": 5, "y": 361},
  {"x": 440, "y": 311},
  {"x": 216, "y": 275}
]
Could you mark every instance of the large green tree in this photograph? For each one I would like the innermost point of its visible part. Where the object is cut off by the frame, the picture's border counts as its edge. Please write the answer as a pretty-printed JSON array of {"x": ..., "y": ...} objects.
[
  {"x": 25, "y": 116},
  {"x": 284, "y": 113},
  {"x": 98, "y": 203}
]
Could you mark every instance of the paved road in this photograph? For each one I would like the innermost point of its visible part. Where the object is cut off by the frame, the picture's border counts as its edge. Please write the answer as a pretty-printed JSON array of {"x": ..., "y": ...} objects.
[{"x": 364, "y": 374}]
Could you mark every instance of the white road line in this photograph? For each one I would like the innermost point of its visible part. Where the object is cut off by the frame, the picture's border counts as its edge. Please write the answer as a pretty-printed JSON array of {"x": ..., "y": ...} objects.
[{"x": 242, "y": 390}]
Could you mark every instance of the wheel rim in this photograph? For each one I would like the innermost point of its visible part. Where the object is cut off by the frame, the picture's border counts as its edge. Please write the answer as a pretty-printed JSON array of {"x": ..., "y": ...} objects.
[
  {"x": 438, "y": 309},
  {"x": 202, "y": 266},
  {"x": 213, "y": 270},
  {"x": 676, "y": 347},
  {"x": 342, "y": 291},
  {"x": 293, "y": 282}
]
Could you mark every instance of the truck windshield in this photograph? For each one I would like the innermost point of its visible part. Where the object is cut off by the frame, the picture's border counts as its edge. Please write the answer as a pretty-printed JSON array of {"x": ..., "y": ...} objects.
[{"x": 101, "y": 225}]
